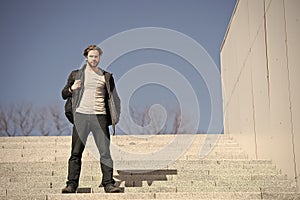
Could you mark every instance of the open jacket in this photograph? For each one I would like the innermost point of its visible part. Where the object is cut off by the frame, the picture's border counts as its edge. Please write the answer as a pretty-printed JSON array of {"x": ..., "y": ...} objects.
[{"x": 112, "y": 100}]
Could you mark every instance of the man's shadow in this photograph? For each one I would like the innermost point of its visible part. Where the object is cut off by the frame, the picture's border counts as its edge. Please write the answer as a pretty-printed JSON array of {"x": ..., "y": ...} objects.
[{"x": 135, "y": 178}]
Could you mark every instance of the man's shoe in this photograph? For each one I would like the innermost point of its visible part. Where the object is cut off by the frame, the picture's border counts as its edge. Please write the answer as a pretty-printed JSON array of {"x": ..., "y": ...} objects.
[
  {"x": 68, "y": 189},
  {"x": 110, "y": 188}
]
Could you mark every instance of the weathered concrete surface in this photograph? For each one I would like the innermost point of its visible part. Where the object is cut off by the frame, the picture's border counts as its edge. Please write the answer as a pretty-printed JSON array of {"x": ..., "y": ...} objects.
[{"x": 207, "y": 167}]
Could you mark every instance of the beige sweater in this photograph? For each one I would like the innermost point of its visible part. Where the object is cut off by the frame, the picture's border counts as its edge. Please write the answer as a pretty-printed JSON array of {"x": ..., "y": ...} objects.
[{"x": 92, "y": 101}]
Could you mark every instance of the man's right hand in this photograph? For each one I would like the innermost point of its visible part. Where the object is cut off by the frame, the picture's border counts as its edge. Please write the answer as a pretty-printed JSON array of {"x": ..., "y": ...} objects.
[{"x": 76, "y": 85}]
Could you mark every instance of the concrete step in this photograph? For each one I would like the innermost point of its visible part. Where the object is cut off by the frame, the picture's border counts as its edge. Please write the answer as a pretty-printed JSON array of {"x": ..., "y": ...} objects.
[
  {"x": 40, "y": 155},
  {"x": 23, "y": 167},
  {"x": 50, "y": 155},
  {"x": 190, "y": 195},
  {"x": 187, "y": 173},
  {"x": 222, "y": 183},
  {"x": 153, "y": 181},
  {"x": 126, "y": 139},
  {"x": 196, "y": 188},
  {"x": 55, "y": 195},
  {"x": 59, "y": 181},
  {"x": 178, "y": 164},
  {"x": 49, "y": 158},
  {"x": 199, "y": 163},
  {"x": 120, "y": 143}
]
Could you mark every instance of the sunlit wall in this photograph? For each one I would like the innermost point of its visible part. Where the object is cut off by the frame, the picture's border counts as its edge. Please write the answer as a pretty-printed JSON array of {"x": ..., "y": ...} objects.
[{"x": 260, "y": 59}]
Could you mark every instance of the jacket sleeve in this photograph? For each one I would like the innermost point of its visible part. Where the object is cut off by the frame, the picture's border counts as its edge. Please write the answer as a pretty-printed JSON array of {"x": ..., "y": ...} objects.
[
  {"x": 116, "y": 100},
  {"x": 65, "y": 91}
]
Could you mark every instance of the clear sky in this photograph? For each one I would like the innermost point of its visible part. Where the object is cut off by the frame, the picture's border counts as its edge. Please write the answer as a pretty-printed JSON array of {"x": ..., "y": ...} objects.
[{"x": 42, "y": 41}]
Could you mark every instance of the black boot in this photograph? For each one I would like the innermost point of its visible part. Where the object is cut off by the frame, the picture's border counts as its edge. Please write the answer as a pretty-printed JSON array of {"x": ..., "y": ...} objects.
[
  {"x": 110, "y": 188},
  {"x": 69, "y": 189}
]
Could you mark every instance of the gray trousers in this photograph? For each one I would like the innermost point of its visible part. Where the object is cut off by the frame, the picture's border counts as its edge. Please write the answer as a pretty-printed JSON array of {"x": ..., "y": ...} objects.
[{"x": 83, "y": 125}]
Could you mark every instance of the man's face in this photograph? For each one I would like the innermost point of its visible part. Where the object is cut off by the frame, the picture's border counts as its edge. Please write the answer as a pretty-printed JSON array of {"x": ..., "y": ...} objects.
[{"x": 93, "y": 58}]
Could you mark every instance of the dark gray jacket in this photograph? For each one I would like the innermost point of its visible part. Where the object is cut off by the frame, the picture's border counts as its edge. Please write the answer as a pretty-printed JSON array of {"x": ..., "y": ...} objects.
[{"x": 112, "y": 100}]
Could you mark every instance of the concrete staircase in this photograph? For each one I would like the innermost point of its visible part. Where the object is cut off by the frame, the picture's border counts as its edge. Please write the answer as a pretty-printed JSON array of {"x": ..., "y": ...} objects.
[{"x": 146, "y": 167}]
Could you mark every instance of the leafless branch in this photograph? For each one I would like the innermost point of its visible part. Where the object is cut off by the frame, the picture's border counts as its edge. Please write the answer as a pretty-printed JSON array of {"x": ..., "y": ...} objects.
[
  {"x": 25, "y": 118},
  {"x": 7, "y": 125},
  {"x": 59, "y": 121},
  {"x": 176, "y": 121},
  {"x": 43, "y": 122}
]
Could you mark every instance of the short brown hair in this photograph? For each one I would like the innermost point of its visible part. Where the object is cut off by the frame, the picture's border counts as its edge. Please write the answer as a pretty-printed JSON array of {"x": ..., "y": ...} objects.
[{"x": 90, "y": 48}]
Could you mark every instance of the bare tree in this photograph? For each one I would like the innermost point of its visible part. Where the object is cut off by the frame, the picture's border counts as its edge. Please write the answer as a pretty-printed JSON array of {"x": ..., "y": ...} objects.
[
  {"x": 157, "y": 119},
  {"x": 44, "y": 126},
  {"x": 131, "y": 118},
  {"x": 144, "y": 119},
  {"x": 25, "y": 118},
  {"x": 59, "y": 121},
  {"x": 183, "y": 123},
  {"x": 177, "y": 121},
  {"x": 7, "y": 121}
]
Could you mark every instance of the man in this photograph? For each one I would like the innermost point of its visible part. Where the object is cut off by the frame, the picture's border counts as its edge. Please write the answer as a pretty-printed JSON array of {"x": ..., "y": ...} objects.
[{"x": 95, "y": 106}]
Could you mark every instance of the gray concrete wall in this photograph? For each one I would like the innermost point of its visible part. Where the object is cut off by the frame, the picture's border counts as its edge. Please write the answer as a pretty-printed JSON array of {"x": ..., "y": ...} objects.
[{"x": 260, "y": 59}]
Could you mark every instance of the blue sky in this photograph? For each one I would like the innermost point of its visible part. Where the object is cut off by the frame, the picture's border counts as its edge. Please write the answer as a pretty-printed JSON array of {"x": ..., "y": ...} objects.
[{"x": 43, "y": 40}]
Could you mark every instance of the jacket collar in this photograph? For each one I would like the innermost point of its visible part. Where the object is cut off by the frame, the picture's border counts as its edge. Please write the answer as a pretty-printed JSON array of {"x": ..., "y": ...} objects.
[{"x": 100, "y": 71}]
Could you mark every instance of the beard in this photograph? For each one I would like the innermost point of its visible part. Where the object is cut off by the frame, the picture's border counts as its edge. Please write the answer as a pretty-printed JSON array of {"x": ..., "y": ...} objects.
[{"x": 93, "y": 63}]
